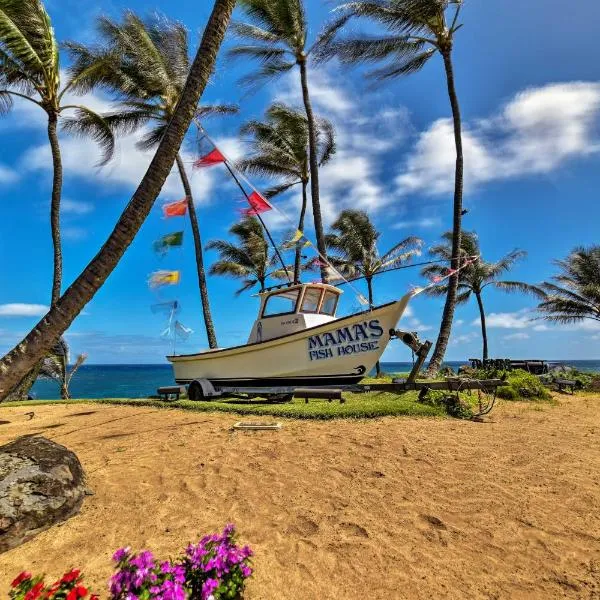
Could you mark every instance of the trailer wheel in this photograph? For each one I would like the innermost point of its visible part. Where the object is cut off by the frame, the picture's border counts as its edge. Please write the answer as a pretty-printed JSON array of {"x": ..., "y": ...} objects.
[{"x": 195, "y": 391}]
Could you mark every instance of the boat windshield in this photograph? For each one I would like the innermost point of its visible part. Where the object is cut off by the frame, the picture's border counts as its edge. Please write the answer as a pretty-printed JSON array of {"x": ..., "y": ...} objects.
[
  {"x": 281, "y": 303},
  {"x": 312, "y": 297},
  {"x": 329, "y": 303}
]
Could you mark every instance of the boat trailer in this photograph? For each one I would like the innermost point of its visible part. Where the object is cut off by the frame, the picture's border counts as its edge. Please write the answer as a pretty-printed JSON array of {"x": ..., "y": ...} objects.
[{"x": 204, "y": 389}]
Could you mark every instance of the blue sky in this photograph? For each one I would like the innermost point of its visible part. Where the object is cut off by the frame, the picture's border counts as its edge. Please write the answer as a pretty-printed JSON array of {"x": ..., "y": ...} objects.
[{"x": 528, "y": 81}]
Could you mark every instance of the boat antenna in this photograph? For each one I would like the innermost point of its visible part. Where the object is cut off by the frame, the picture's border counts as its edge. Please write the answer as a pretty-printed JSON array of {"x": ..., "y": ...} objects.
[{"x": 239, "y": 184}]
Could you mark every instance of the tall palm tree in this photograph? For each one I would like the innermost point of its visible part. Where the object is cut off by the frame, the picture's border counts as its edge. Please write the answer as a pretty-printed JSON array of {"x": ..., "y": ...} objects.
[
  {"x": 353, "y": 250},
  {"x": 249, "y": 259},
  {"x": 55, "y": 366},
  {"x": 20, "y": 360},
  {"x": 276, "y": 36},
  {"x": 144, "y": 64},
  {"x": 475, "y": 277},
  {"x": 415, "y": 30},
  {"x": 280, "y": 149},
  {"x": 574, "y": 294},
  {"x": 30, "y": 70}
]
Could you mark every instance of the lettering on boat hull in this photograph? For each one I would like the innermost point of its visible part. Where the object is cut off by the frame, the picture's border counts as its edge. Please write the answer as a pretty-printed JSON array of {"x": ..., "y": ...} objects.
[{"x": 345, "y": 341}]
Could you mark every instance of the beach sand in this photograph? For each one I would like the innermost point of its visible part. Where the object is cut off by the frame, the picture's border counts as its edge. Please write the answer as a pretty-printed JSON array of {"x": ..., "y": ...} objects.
[{"x": 387, "y": 508}]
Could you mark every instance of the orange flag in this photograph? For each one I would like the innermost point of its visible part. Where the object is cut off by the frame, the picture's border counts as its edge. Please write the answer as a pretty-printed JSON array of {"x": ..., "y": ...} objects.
[
  {"x": 214, "y": 157},
  {"x": 258, "y": 205},
  {"x": 175, "y": 209}
]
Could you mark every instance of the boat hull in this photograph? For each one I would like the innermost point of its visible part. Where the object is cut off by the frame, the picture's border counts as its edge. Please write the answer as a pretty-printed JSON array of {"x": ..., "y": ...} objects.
[{"x": 339, "y": 352}]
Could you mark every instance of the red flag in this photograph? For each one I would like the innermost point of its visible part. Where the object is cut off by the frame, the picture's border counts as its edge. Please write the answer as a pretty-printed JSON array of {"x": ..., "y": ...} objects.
[
  {"x": 175, "y": 209},
  {"x": 436, "y": 279},
  {"x": 214, "y": 157},
  {"x": 258, "y": 205}
]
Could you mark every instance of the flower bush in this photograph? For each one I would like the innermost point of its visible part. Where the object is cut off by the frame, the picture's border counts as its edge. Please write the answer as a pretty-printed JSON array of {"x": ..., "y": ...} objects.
[
  {"x": 215, "y": 568},
  {"x": 68, "y": 587}
]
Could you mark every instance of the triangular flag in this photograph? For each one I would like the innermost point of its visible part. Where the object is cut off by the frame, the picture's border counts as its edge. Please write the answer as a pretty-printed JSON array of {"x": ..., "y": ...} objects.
[
  {"x": 182, "y": 331},
  {"x": 297, "y": 236},
  {"x": 175, "y": 209},
  {"x": 214, "y": 157},
  {"x": 258, "y": 205}
]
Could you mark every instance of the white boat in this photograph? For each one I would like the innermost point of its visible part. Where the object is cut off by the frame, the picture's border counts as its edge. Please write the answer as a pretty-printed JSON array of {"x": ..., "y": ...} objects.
[{"x": 297, "y": 340}]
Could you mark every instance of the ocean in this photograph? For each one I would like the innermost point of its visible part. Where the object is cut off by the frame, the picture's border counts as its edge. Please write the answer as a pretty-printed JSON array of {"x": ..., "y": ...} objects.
[{"x": 140, "y": 381}]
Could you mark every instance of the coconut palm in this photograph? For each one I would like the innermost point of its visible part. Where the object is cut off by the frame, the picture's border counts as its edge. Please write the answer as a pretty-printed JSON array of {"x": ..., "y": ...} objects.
[
  {"x": 574, "y": 294},
  {"x": 280, "y": 150},
  {"x": 475, "y": 277},
  {"x": 415, "y": 30},
  {"x": 353, "y": 250},
  {"x": 55, "y": 366},
  {"x": 45, "y": 334},
  {"x": 276, "y": 36},
  {"x": 249, "y": 259},
  {"x": 144, "y": 64},
  {"x": 30, "y": 70}
]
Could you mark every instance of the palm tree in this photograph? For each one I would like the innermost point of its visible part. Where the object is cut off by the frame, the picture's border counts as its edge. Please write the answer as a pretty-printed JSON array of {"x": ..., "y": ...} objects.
[
  {"x": 145, "y": 65},
  {"x": 30, "y": 70},
  {"x": 415, "y": 30},
  {"x": 353, "y": 250},
  {"x": 249, "y": 259},
  {"x": 475, "y": 277},
  {"x": 280, "y": 149},
  {"x": 45, "y": 334},
  {"x": 55, "y": 366},
  {"x": 575, "y": 296},
  {"x": 277, "y": 38}
]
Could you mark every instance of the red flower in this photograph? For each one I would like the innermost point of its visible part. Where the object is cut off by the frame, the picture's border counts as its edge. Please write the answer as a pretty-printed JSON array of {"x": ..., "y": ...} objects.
[
  {"x": 70, "y": 576},
  {"x": 34, "y": 592},
  {"x": 20, "y": 578},
  {"x": 94, "y": 597},
  {"x": 78, "y": 592}
]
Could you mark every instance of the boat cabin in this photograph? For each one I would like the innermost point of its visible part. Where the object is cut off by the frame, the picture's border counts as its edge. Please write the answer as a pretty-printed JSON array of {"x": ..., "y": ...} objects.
[{"x": 285, "y": 310}]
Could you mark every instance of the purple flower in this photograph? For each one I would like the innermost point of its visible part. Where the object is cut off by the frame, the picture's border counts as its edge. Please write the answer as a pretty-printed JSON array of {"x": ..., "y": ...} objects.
[
  {"x": 246, "y": 571},
  {"x": 121, "y": 553},
  {"x": 208, "y": 587}
]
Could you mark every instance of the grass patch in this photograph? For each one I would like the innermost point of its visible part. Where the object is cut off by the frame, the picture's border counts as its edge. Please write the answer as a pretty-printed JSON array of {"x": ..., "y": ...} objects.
[{"x": 356, "y": 406}]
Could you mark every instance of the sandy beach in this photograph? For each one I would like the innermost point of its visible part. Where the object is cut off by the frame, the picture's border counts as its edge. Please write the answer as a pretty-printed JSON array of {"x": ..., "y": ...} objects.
[{"x": 388, "y": 508}]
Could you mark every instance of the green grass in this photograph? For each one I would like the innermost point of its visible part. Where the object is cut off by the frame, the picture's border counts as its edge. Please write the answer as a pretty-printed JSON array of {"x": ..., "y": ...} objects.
[{"x": 356, "y": 406}]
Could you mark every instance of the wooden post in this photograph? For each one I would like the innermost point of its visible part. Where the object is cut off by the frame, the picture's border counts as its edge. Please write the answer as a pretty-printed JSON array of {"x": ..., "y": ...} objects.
[{"x": 422, "y": 353}]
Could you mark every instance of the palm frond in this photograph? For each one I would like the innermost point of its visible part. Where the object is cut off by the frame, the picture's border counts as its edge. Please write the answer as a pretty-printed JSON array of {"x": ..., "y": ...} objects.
[
  {"x": 86, "y": 122},
  {"x": 519, "y": 287},
  {"x": 403, "y": 67},
  {"x": 152, "y": 138},
  {"x": 212, "y": 110}
]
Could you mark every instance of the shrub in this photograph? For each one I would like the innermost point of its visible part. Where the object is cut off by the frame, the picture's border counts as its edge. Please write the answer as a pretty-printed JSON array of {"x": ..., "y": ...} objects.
[
  {"x": 523, "y": 386},
  {"x": 68, "y": 587}
]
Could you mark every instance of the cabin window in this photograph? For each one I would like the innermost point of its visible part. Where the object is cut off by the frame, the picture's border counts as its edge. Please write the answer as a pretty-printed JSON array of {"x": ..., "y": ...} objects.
[
  {"x": 312, "y": 297},
  {"x": 329, "y": 304},
  {"x": 281, "y": 304}
]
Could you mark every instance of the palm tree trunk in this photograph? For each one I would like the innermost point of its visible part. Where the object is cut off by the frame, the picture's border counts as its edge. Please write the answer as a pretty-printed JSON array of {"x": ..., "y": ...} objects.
[
  {"x": 55, "y": 206},
  {"x": 38, "y": 342},
  {"x": 208, "y": 322},
  {"x": 314, "y": 168},
  {"x": 300, "y": 244},
  {"x": 448, "y": 314},
  {"x": 483, "y": 327}
]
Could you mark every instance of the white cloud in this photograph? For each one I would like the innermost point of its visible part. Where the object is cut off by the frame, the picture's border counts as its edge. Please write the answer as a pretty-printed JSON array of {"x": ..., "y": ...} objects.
[
  {"x": 516, "y": 320},
  {"x": 534, "y": 133},
  {"x": 17, "y": 309},
  {"x": 76, "y": 207},
  {"x": 516, "y": 336},
  {"x": 463, "y": 339},
  {"x": 424, "y": 223},
  {"x": 7, "y": 175}
]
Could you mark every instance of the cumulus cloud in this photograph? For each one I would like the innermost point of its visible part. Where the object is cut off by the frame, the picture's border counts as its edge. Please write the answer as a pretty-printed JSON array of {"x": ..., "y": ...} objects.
[
  {"x": 534, "y": 133},
  {"x": 525, "y": 319},
  {"x": 424, "y": 223},
  {"x": 76, "y": 207},
  {"x": 516, "y": 336},
  {"x": 18, "y": 309}
]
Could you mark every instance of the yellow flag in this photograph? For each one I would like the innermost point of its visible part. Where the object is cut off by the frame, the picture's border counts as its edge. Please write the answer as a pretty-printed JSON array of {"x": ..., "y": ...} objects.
[
  {"x": 159, "y": 278},
  {"x": 297, "y": 236}
]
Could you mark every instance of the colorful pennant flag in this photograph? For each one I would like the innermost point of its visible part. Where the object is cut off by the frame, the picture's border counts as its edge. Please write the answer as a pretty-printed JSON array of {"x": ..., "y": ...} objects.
[
  {"x": 160, "y": 278},
  {"x": 175, "y": 209},
  {"x": 258, "y": 205},
  {"x": 171, "y": 240},
  {"x": 214, "y": 157}
]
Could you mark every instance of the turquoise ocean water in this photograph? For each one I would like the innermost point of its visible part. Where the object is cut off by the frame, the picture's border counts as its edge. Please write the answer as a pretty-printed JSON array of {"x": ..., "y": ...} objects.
[{"x": 138, "y": 381}]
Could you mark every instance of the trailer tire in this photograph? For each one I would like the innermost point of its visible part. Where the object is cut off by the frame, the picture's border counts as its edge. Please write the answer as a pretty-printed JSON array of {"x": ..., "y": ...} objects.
[{"x": 195, "y": 391}]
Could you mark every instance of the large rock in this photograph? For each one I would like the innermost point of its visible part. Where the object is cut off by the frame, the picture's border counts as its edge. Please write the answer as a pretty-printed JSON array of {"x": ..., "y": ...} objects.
[{"x": 41, "y": 483}]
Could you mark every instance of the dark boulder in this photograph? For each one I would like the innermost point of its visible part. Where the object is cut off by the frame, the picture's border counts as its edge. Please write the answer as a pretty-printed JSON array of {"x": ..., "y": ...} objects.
[{"x": 41, "y": 483}]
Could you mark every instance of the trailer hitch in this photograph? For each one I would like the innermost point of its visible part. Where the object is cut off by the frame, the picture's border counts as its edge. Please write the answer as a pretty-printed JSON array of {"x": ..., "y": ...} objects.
[{"x": 421, "y": 349}]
